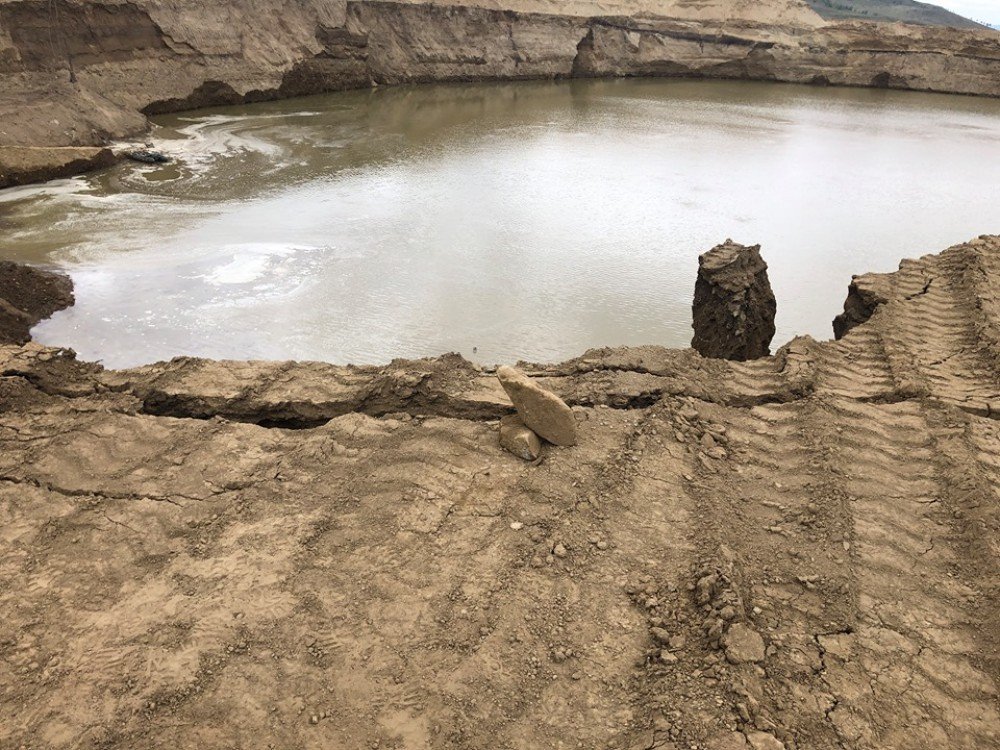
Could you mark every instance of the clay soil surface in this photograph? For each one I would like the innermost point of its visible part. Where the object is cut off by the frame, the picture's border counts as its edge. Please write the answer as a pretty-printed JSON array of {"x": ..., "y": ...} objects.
[{"x": 798, "y": 552}]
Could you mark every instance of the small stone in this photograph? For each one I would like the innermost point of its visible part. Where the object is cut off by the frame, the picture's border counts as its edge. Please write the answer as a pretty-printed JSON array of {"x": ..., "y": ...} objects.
[
  {"x": 601, "y": 545},
  {"x": 705, "y": 588},
  {"x": 516, "y": 438},
  {"x": 559, "y": 550},
  {"x": 516, "y": 525},
  {"x": 677, "y": 641},
  {"x": 764, "y": 741},
  {"x": 314, "y": 719},
  {"x": 689, "y": 413},
  {"x": 743, "y": 644},
  {"x": 540, "y": 410},
  {"x": 667, "y": 658}
]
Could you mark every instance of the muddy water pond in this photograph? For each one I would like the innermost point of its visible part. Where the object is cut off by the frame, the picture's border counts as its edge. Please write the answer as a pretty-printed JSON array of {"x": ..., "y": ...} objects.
[{"x": 515, "y": 221}]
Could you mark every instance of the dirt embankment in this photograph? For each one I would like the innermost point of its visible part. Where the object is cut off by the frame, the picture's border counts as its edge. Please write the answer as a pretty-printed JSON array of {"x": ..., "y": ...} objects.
[
  {"x": 23, "y": 164},
  {"x": 28, "y": 295},
  {"x": 79, "y": 73},
  {"x": 794, "y": 552}
]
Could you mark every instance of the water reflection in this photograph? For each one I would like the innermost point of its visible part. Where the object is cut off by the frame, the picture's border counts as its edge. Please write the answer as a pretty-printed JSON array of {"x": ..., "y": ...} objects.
[{"x": 527, "y": 220}]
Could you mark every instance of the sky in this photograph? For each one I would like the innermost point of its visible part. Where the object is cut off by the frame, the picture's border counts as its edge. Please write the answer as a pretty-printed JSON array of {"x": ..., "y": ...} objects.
[{"x": 978, "y": 10}]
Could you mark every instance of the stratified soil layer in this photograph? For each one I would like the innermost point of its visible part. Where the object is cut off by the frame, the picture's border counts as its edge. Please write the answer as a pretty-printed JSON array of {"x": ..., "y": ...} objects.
[
  {"x": 85, "y": 72},
  {"x": 19, "y": 165},
  {"x": 798, "y": 551}
]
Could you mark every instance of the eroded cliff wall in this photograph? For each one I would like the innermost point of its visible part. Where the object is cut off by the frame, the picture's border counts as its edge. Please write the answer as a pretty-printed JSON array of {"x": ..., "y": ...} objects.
[
  {"x": 850, "y": 54},
  {"x": 84, "y": 72},
  {"x": 776, "y": 12}
]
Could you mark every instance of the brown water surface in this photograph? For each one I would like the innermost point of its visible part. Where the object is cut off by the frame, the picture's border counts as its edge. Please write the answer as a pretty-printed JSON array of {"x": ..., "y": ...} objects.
[{"x": 508, "y": 221}]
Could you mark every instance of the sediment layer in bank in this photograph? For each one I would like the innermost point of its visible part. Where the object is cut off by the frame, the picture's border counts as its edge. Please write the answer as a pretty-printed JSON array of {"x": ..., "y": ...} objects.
[
  {"x": 111, "y": 64},
  {"x": 791, "y": 552}
]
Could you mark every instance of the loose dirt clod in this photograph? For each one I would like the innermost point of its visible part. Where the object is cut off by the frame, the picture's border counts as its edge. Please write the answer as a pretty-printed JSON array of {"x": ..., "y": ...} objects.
[
  {"x": 734, "y": 306},
  {"x": 743, "y": 644},
  {"x": 518, "y": 439},
  {"x": 541, "y": 410},
  {"x": 764, "y": 741}
]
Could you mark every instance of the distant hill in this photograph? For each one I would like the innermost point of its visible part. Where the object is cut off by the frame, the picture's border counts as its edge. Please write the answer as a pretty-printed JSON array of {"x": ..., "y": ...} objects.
[{"x": 891, "y": 10}]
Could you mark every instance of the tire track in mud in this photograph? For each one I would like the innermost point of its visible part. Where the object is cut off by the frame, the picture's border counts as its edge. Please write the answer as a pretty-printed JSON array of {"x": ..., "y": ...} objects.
[
  {"x": 916, "y": 644},
  {"x": 932, "y": 327},
  {"x": 404, "y": 580},
  {"x": 774, "y": 508},
  {"x": 841, "y": 516}
]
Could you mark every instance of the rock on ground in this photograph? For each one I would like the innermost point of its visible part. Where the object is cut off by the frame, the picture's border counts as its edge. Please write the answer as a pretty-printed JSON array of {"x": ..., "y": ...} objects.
[
  {"x": 541, "y": 410},
  {"x": 764, "y": 741},
  {"x": 518, "y": 439},
  {"x": 28, "y": 295},
  {"x": 734, "y": 306},
  {"x": 743, "y": 644}
]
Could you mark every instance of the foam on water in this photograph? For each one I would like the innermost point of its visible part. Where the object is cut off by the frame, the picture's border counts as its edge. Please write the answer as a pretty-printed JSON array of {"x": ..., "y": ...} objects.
[{"x": 526, "y": 221}]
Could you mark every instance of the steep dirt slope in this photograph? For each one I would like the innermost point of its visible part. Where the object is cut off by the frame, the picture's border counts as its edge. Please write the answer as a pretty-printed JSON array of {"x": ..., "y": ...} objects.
[{"x": 796, "y": 552}]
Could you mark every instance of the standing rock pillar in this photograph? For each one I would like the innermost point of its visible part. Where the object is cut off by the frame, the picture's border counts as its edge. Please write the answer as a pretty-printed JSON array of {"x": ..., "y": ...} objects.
[{"x": 734, "y": 306}]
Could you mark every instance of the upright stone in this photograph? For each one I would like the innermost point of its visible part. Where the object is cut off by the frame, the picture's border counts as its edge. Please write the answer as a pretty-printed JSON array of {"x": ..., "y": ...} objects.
[
  {"x": 734, "y": 306},
  {"x": 540, "y": 410}
]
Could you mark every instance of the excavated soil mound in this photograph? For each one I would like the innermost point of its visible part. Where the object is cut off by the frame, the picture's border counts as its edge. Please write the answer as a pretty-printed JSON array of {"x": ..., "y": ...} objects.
[{"x": 28, "y": 295}]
